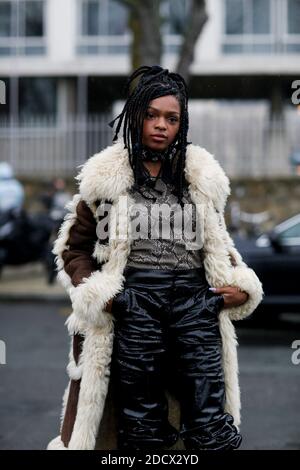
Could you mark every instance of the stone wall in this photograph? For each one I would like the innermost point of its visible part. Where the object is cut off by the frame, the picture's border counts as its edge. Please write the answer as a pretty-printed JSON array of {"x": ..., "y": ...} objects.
[{"x": 280, "y": 197}]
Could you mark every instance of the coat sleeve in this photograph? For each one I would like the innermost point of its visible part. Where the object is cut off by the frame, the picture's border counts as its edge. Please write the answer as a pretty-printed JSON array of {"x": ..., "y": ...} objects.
[
  {"x": 243, "y": 276},
  {"x": 77, "y": 257},
  {"x": 78, "y": 269}
]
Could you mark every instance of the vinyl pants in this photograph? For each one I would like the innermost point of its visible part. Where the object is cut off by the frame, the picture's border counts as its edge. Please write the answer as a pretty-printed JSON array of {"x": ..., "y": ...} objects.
[{"x": 167, "y": 335}]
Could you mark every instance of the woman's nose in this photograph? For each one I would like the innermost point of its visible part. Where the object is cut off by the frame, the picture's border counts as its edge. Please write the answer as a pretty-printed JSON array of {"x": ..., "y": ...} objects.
[{"x": 160, "y": 124}]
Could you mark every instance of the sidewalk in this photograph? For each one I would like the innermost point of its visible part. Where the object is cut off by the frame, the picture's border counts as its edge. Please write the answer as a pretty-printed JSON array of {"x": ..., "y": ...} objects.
[{"x": 29, "y": 283}]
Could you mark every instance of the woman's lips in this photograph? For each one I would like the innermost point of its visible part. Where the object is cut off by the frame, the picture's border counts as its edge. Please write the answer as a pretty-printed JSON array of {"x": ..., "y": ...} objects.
[{"x": 158, "y": 138}]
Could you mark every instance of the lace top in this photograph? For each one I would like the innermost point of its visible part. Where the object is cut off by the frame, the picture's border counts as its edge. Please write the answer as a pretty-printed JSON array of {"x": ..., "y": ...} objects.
[{"x": 165, "y": 236}]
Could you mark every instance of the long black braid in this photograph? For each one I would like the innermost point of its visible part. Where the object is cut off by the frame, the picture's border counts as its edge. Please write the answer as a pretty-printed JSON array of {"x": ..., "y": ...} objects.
[{"x": 154, "y": 82}]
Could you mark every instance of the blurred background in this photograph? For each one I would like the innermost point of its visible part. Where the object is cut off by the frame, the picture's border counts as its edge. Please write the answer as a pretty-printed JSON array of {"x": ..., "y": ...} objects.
[{"x": 63, "y": 64}]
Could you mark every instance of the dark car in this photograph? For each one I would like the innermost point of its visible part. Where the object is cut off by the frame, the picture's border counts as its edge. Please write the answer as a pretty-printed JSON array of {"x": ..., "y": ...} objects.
[{"x": 275, "y": 257}]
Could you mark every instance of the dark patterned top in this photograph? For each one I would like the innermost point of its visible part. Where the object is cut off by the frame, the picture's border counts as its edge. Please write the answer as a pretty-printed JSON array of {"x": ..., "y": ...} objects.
[{"x": 164, "y": 237}]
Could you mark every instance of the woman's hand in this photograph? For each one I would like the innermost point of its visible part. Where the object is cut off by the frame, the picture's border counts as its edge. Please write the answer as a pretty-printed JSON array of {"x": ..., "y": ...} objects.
[{"x": 233, "y": 296}]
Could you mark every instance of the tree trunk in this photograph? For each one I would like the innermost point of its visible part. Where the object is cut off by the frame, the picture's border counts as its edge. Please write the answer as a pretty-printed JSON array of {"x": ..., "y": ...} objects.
[
  {"x": 195, "y": 23},
  {"x": 144, "y": 22},
  {"x": 150, "y": 43}
]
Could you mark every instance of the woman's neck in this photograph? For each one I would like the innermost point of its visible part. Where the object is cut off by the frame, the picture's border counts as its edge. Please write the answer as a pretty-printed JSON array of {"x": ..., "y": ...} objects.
[{"x": 153, "y": 167}]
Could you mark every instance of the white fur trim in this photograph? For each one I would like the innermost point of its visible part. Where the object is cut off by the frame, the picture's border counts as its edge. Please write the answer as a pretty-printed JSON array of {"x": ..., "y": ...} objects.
[
  {"x": 245, "y": 278},
  {"x": 97, "y": 350},
  {"x": 75, "y": 325},
  {"x": 106, "y": 174},
  {"x": 90, "y": 297},
  {"x": 60, "y": 243},
  {"x": 56, "y": 444},
  {"x": 101, "y": 252},
  {"x": 74, "y": 370},
  {"x": 206, "y": 175},
  {"x": 242, "y": 277},
  {"x": 230, "y": 367}
]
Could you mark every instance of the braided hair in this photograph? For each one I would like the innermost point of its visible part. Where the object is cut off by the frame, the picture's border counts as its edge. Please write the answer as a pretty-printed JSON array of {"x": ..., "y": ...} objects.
[{"x": 154, "y": 82}]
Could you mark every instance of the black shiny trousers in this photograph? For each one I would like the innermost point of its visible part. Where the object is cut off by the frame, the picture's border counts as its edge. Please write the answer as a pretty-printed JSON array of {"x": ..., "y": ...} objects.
[{"x": 167, "y": 335}]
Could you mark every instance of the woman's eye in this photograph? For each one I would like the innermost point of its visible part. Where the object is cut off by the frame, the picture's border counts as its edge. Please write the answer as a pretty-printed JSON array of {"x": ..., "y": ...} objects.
[
  {"x": 173, "y": 120},
  {"x": 149, "y": 115}
]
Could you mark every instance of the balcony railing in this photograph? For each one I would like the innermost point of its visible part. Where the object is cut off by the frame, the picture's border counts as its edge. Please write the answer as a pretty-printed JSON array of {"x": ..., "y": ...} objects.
[
  {"x": 18, "y": 46},
  {"x": 95, "y": 45},
  {"x": 263, "y": 44}
]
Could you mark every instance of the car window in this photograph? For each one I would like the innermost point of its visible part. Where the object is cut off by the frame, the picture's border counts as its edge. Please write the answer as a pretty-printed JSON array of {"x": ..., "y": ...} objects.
[{"x": 291, "y": 232}]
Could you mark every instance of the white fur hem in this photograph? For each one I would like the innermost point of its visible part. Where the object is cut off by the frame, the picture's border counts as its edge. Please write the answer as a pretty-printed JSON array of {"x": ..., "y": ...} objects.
[
  {"x": 230, "y": 367},
  {"x": 56, "y": 444}
]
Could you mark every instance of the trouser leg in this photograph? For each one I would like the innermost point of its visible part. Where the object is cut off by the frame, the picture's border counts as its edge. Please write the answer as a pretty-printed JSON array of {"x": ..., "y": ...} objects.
[
  {"x": 179, "y": 318},
  {"x": 138, "y": 367},
  {"x": 196, "y": 344}
]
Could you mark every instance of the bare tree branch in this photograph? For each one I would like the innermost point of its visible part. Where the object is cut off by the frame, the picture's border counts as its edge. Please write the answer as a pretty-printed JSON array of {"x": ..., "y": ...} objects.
[
  {"x": 145, "y": 24},
  {"x": 195, "y": 24}
]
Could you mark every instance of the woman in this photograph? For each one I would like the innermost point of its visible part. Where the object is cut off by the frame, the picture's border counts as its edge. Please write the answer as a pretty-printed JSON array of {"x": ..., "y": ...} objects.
[{"x": 153, "y": 311}]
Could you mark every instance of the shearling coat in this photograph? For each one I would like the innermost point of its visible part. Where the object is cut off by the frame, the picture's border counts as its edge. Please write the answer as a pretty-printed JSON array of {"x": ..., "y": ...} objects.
[{"x": 91, "y": 270}]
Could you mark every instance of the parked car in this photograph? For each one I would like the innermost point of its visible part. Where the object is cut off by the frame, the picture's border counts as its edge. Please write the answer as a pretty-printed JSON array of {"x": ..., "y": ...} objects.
[
  {"x": 26, "y": 238},
  {"x": 275, "y": 257}
]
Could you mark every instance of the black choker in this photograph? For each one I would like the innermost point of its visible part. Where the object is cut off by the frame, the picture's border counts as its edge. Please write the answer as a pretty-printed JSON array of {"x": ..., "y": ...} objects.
[{"x": 150, "y": 155}]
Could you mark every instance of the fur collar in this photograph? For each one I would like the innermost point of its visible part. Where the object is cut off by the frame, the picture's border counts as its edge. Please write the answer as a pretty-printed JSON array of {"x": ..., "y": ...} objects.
[{"x": 108, "y": 174}]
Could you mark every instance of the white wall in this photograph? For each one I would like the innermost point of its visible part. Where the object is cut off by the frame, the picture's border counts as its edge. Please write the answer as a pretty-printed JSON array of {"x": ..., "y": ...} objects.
[
  {"x": 208, "y": 45},
  {"x": 61, "y": 26}
]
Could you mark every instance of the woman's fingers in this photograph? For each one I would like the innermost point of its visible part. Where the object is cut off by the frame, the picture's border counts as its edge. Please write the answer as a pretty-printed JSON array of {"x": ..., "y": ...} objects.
[
  {"x": 233, "y": 296},
  {"x": 225, "y": 290}
]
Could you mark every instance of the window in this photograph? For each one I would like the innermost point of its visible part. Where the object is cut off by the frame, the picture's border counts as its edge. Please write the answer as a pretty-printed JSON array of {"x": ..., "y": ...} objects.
[
  {"x": 103, "y": 18},
  {"x": 234, "y": 17},
  {"x": 291, "y": 232},
  {"x": 37, "y": 96},
  {"x": 5, "y": 19},
  {"x": 247, "y": 26},
  {"x": 294, "y": 16},
  {"x": 90, "y": 18},
  {"x": 22, "y": 27},
  {"x": 102, "y": 27},
  {"x": 261, "y": 26},
  {"x": 174, "y": 14},
  {"x": 248, "y": 17},
  {"x": 31, "y": 19}
]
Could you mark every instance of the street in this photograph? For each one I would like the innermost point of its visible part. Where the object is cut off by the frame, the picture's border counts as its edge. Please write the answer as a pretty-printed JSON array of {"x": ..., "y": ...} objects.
[{"x": 34, "y": 378}]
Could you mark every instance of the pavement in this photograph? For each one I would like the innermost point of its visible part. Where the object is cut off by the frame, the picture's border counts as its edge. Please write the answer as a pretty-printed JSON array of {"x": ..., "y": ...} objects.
[{"x": 29, "y": 282}]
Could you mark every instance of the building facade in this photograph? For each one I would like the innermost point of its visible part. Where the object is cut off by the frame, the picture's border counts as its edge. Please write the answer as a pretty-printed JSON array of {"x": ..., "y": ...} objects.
[
  {"x": 52, "y": 52},
  {"x": 62, "y": 58}
]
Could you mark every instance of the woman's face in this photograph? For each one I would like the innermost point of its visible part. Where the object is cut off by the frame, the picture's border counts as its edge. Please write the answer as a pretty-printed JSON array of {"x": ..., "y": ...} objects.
[{"x": 161, "y": 123}]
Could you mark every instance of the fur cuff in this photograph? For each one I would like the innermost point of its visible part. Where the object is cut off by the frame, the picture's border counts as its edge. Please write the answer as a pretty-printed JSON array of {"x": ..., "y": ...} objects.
[
  {"x": 246, "y": 279},
  {"x": 90, "y": 297}
]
